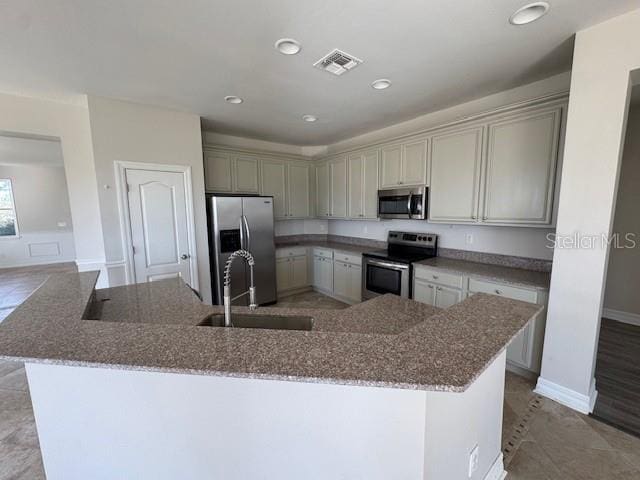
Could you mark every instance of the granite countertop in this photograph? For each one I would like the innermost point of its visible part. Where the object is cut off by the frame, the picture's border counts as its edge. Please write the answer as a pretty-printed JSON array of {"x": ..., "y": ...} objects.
[
  {"x": 507, "y": 275},
  {"x": 341, "y": 247},
  {"x": 385, "y": 342}
]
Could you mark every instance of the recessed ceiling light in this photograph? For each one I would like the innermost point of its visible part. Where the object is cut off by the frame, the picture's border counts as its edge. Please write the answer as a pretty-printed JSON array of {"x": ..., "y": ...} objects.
[
  {"x": 232, "y": 99},
  {"x": 309, "y": 118},
  {"x": 529, "y": 13},
  {"x": 288, "y": 46},
  {"x": 381, "y": 84}
]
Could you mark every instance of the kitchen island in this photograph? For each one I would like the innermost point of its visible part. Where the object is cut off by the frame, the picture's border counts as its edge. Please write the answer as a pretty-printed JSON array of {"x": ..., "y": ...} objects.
[{"x": 389, "y": 388}]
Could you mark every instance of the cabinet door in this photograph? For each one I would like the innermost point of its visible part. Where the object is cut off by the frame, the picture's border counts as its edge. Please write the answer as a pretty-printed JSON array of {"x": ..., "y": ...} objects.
[
  {"x": 274, "y": 183},
  {"x": 245, "y": 178},
  {"x": 299, "y": 272},
  {"x": 341, "y": 279},
  {"x": 322, "y": 190},
  {"x": 283, "y": 274},
  {"x": 355, "y": 283},
  {"x": 424, "y": 292},
  {"x": 391, "y": 166},
  {"x": 338, "y": 177},
  {"x": 327, "y": 275},
  {"x": 317, "y": 271},
  {"x": 355, "y": 165},
  {"x": 370, "y": 184},
  {"x": 521, "y": 165},
  {"x": 446, "y": 297},
  {"x": 455, "y": 176},
  {"x": 217, "y": 170},
  {"x": 299, "y": 183},
  {"x": 414, "y": 163}
]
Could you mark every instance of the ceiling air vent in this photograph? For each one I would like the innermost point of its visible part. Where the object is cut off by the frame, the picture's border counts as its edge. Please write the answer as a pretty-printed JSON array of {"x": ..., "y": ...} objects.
[{"x": 337, "y": 62}]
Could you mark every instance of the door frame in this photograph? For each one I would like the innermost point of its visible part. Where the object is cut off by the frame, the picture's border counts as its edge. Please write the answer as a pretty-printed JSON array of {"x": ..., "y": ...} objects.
[{"x": 121, "y": 168}]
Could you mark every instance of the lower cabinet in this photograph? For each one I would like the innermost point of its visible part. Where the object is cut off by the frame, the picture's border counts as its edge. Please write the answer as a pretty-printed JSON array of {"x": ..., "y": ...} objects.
[
  {"x": 347, "y": 280},
  {"x": 323, "y": 273},
  {"x": 444, "y": 289},
  {"x": 291, "y": 270}
]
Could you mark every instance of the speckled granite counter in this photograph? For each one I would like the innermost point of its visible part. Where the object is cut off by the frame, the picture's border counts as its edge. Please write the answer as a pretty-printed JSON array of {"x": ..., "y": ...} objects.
[
  {"x": 339, "y": 246},
  {"x": 386, "y": 342},
  {"x": 507, "y": 275}
]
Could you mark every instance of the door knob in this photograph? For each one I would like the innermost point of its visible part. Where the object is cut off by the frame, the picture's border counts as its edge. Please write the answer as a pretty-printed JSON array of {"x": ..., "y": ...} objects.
[{"x": 184, "y": 256}]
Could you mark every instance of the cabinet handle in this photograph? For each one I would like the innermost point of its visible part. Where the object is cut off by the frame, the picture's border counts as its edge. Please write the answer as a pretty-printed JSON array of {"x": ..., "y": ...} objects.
[
  {"x": 484, "y": 218},
  {"x": 439, "y": 288},
  {"x": 430, "y": 286},
  {"x": 473, "y": 217},
  {"x": 435, "y": 277},
  {"x": 498, "y": 292}
]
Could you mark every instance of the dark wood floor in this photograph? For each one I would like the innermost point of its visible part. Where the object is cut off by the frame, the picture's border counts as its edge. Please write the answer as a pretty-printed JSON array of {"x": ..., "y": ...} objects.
[{"x": 618, "y": 375}]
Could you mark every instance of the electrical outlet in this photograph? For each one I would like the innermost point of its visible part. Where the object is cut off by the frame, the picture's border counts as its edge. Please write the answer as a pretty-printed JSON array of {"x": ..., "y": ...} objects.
[
  {"x": 62, "y": 224},
  {"x": 469, "y": 239},
  {"x": 474, "y": 459}
]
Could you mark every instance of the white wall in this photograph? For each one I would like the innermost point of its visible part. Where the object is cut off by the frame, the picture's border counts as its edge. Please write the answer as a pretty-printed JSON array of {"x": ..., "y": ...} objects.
[
  {"x": 70, "y": 124},
  {"x": 603, "y": 58},
  {"x": 623, "y": 274},
  {"x": 138, "y": 133},
  {"x": 42, "y": 203}
]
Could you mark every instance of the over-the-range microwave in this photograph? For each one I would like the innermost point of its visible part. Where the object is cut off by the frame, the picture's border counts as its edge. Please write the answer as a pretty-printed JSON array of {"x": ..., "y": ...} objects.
[{"x": 408, "y": 203}]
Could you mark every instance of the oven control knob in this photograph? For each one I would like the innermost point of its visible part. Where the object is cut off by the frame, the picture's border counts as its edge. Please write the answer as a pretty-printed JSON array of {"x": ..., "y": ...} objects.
[{"x": 429, "y": 239}]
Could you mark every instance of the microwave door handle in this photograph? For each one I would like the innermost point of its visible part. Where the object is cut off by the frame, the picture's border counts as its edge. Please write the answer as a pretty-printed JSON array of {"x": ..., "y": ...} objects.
[{"x": 409, "y": 205}]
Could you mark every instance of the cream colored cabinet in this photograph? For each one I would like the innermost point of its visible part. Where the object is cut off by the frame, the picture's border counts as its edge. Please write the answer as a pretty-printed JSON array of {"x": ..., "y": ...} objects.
[
  {"x": 323, "y": 273},
  {"x": 291, "y": 269},
  {"x": 436, "y": 295},
  {"x": 299, "y": 183},
  {"x": 456, "y": 160},
  {"x": 424, "y": 292},
  {"x": 363, "y": 185},
  {"x": 403, "y": 164},
  {"x": 347, "y": 280},
  {"x": 323, "y": 190},
  {"x": 245, "y": 174},
  {"x": 217, "y": 168},
  {"x": 338, "y": 179},
  {"x": 521, "y": 165},
  {"x": 274, "y": 183}
]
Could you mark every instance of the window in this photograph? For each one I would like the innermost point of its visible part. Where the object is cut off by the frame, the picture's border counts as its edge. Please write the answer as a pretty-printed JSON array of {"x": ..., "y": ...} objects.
[{"x": 8, "y": 220}]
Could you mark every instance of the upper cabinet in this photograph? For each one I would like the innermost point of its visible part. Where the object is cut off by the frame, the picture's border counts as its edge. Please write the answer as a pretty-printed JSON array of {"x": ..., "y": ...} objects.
[
  {"x": 403, "y": 164},
  {"x": 217, "y": 168},
  {"x": 323, "y": 190},
  {"x": 456, "y": 160},
  {"x": 521, "y": 165},
  {"x": 338, "y": 179},
  {"x": 289, "y": 181},
  {"x": 363, "y": 185}
]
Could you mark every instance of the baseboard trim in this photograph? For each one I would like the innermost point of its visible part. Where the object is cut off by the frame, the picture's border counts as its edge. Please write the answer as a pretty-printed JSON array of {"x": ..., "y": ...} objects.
[
  {"x": 523, "y": 372},
  {"x": 567, "y": 397},
  {"x": 620, "y": 316},
  {"x": 497, "y": 471},
  {"x": 36, "y": 264}
]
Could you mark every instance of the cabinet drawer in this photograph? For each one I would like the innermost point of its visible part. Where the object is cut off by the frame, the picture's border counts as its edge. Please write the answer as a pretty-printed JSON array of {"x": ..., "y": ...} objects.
[
  {"x": 436, "y": 276},
  {"x": 323, "y": 252},
  {"x": 515, "y": 293},
  {"x": 290, "y": 252},
  {"x": 348, "y": 258}
]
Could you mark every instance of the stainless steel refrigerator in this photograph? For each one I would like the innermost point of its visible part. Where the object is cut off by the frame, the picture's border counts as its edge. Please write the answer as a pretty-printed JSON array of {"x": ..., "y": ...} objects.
[{"x": 242, "y": 223}]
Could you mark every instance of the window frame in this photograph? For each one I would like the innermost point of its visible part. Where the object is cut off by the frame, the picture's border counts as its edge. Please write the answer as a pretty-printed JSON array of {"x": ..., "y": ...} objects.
[{"x": 13, "y": 209}]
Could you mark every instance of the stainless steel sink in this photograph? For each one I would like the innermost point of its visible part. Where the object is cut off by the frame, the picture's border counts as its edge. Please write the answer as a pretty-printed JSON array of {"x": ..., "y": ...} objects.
[{"x": 274, "y": 322}]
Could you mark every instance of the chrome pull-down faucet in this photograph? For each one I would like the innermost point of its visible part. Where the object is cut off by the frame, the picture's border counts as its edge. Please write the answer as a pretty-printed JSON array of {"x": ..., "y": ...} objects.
[{"x": 246, "y": 255}]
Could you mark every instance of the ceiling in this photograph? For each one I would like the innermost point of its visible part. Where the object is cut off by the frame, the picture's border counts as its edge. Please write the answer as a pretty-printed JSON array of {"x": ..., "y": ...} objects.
[
  {"x": 30, "y": 151},
  {"x": 188, "y": 55}
]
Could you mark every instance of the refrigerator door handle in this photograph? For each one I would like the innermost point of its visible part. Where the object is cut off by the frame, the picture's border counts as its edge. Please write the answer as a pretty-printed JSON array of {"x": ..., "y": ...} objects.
[
  {"x": 242, "y": 238},
  {"x": 248, "y": 233}
]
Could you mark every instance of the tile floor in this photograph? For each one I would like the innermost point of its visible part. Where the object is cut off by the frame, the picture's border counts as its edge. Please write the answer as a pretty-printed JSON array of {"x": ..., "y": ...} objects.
[{"x": 552, "y": 441}]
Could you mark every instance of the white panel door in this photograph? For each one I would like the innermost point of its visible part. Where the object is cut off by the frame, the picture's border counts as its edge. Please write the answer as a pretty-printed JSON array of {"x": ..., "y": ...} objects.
[
  {"x": 355, "y": 283},
  {"x": 455, "y": 176},
  {"x": 246, "y": 175},
  {"x": 355, "y": 166},
  {"x": 414, "y": 163},
  {"x": 338, "y": 177},
  {"x": 217, "y": 172},
  {"x": 391, "y": 166},
  {"x": 299, "y": 183},
  {"x": 424, "y": 292},
  {"x": 341, "y": 280},
  {"x": 299, "y": 272},
  {"x": 322, "y": 190},
  {"x": 446, "y": 297},
  {"x": 521, "y": 164},
  {"x": 159, "y": 225},
  {"x": 274, "y": 184}
]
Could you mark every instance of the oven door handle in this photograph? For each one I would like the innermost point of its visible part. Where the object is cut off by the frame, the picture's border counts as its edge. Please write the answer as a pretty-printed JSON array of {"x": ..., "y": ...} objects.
[
  {"x": 394, "y": 266},
  {"x": 409, "y": 205}
]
